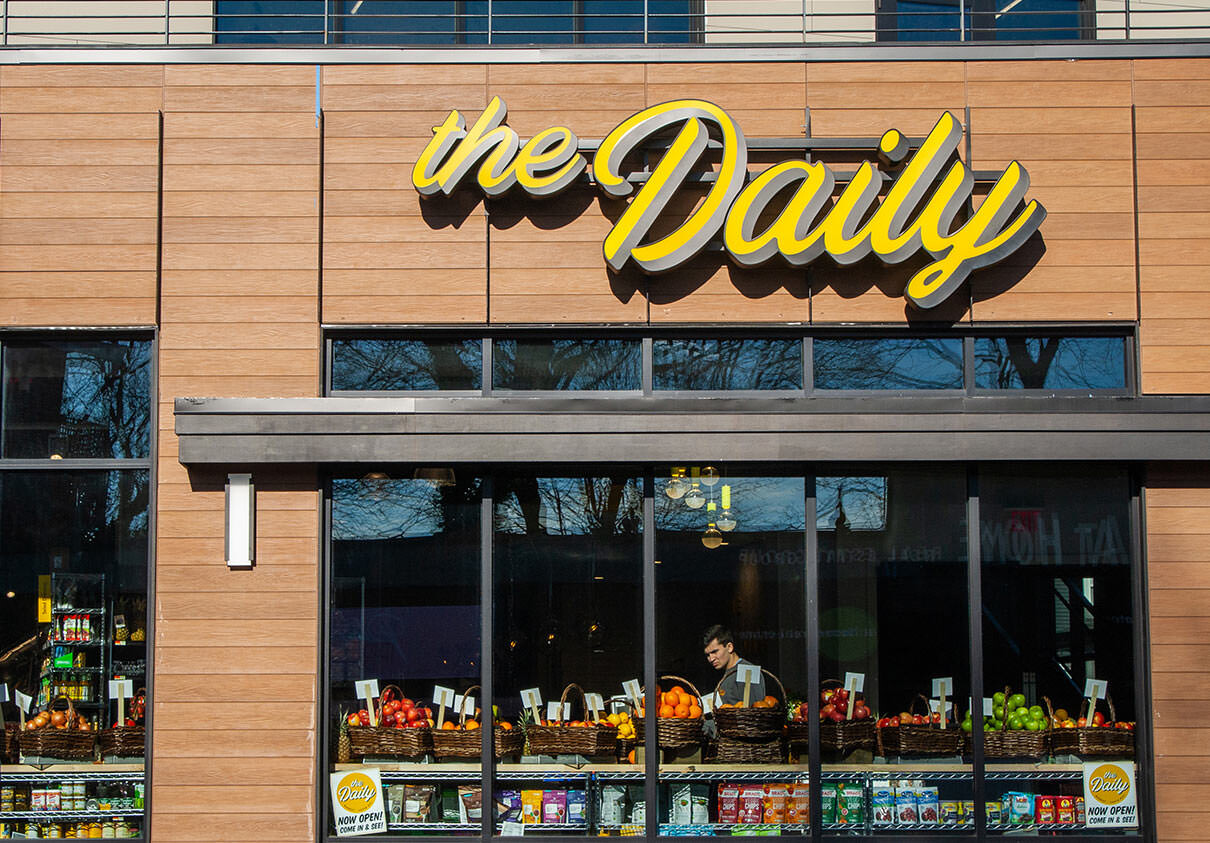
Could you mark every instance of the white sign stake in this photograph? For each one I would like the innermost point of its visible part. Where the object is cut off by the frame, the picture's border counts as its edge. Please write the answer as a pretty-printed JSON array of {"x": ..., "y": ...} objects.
[
  {"x": 633, "y": 691},
  {"x": 367, "y": 689},
  {"x": 853, "y": 682},
  {"x": 749, "y": 674},
  {"x": 121, "y": 688},
  {"x": 595, "y": 705},
  {"x": 23, "y": 705},
  {"x": 531, "y": 698},
  {"x": 943, "y": 687},
  {"x": 1094, "y": 689},
  {"x": 443, "y": 697}
]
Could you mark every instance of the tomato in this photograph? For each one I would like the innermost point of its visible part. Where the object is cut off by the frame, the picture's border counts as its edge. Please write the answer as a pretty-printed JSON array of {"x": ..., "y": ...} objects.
[
  {"x": 353, "y": 719},
  {"x": 917, "y": 719},
  {"x": 826, "y": 711},
  {"x": 363, "y": 717},
  {"x": 894, "y": 721},
  {"x": 936, "y": 717},
  {"x": 406, "y": 704},
  {"x": 388, "y": 719},
  {"x": 412, "y": 714},
  {"x": 827, "y": 695},
  {"x": 1098, "y": 718},
  {"x": 1081, "y": 723}
]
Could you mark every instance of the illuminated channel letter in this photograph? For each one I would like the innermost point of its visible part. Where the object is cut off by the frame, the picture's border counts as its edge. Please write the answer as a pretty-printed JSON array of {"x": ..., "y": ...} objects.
[{"x": 624, "y": 239}]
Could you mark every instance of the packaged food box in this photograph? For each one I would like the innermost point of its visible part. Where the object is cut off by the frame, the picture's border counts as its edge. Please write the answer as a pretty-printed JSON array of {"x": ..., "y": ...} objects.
[
  {"x": 554, "y": 806},
  {"x": 751, "y": 803},
  {"x": 1044, "y": 810},
  {"x": 1065, "y": 809},
  {"x": 798, "y": 803},
  {"x": 449, "y": 808},
  {"x": 470, "y": 803},
  {"x": 1080, "y": 810},
  {"x": 906, "y": 811},
  {"x": 928, "y": 805},
  {"x": 968, "y": 811},
  {"x": 52, "y": 799},
  {"x": 850, "y": 805},
  {"x": 690, "y": 804},
  {"x": 577, "y": 806},
  {"x": 950, "y": 811},
  {"x": 1018, "y": 808},
  {"x": 882, "y": 803},
  {"x": 418, "y": 802},
  {"x": 827, "y": 802},
  {"x": 728, "y": 803},
  {"x": 995, "y": 812},
  {"x": 394, "y": 803},
  {"x": 613, "y": 804},
  {"x": 531, "y": 807},
  {"x": 775, "y": 803},
  {"x": 508, "y": 804}
]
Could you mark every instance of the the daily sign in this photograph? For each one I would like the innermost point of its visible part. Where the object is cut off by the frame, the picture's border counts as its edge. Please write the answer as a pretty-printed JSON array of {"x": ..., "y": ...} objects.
[
  {"x": 357, "y": 804},
  {"x": 922, "y": 194}
]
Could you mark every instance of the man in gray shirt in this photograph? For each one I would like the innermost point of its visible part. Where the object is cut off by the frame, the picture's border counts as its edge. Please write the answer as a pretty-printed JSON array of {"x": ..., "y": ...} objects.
[{"x": 720, "y": 652}]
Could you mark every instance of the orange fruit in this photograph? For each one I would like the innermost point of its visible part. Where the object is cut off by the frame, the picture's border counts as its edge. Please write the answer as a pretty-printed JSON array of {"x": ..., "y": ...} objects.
[
  {"x": 676, "y": 689},
  {"x": 506, "y": 726},
  {"x": 630, "y": 757},
  {"x": 448, "y": 725},
  {"x": 694, "y": 711},
  {"x": 667, "y": 711},
  {"x": 472, "y": 724},
  {"x": 682, "y": 710},
  {"x": 770, "y": 700}
]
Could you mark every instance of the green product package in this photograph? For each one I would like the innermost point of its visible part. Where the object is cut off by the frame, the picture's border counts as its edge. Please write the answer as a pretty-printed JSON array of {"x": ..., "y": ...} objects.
[
  {"x": 850, "y": 805},
  {"x": 827, "y": 802},
  {"x": 449, "y": 804}
]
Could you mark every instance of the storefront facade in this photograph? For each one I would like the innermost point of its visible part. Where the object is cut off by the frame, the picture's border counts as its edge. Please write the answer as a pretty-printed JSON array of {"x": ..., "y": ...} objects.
[{"x": 462, "y": 425}]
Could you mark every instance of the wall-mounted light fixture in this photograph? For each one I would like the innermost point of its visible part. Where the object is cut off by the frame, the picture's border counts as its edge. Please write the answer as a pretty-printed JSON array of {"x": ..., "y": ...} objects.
[{"x": 240, "y": 546}]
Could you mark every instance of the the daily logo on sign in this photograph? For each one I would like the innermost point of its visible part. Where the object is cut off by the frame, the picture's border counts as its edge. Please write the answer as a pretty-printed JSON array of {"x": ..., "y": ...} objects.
[
  {"x": 786, "y": 211},
  {"x": 1109, "y": 794},
  {"x": 357, "y": 804}
]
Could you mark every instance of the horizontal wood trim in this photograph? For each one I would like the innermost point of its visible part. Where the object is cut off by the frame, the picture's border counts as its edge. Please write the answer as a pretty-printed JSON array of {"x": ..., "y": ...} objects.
[
  {"x": 265, "y": 178},
  {"x": 237, "y": 98},
  {"x": 218, "y": 309},
  {"x": 238, "y": 75},
  {"x": 61, "y": 258},
  {"x": 419, "y": 309},
  {"x": 1092, "y": 121},
  {"x": 997, "y": 150},
  {"x": 939, "y": 95},
  {"x": 345, "y": 123},
  {"x": 1190, "y": 68},
  {"x": 1022, "y": 93},
  {"x": 50, "y": 232},
  {"x": 240, "y": 334},
  {"x": 268, "y": 362},
  {"x": 283, "y": 688},
  {"x": 406, "y": 229},
  {"x": 275, "y": 128},
  {"x": 240, "y": 203},
  {"x": 209, "y": 828},
  {"x": 218, "y": 606},
  {"x": 1173, "y": 331},
  {"x": 407, "y": 74},
  {"x": 268, "y": 632},
  {"x": 209, "y": 522},
  {"x": 1172, "y": 279},
  {"x": 1184, "y": 383},
  {"x": 235, "y": 743},
  {"x": 1172, "y": 198},
  {"x": 435, "y": 96},
  {"x": 201, "y": 772},
  {"x": 1168, "y": 658},
  {"x": 61, "y": 128},
  {"x": 1183, "y": 92},
  {"x": 223, "y": 150},
  {"x": 69, "y": 178},
  {"x": 80, "y": 99},
  {"x": 863, "y": 123},
  {"x": 566, "y": 308},
  {"x": 1181, "y": 825},
  {"x": 211, "y": 577},
  {"x": 1182, "y": 603},
  {"x": 1182, "y": 742},
  {"x": 76, "y": 76},
  {"x": 182, "y": 496},
  {"x": 1177, "y": 770},
  {"x": 83, "y": 204},
  {"x": 871, "y": 71},
  {"x": 1089, "y": 70},
  {"x": 1175, "y": 358},
  {"x": 1187, "y": 574},
  {"x": 1177, "y": 173},
  {"x": 237, "y": 799},
  {"x": 620, "y": 97},
  {"x": 188, "y": 552},
  {"x": 394, "y": 283},
  {"x": 1180, "y": 686},
  {"x": 196, "y": 283},
  {"x": 78, "y": 312},
  {"x": 436, "y": 256},
  {"x": 173, "y": 715},
  {"x": 92, "y": 288},
  {"x": 46, "y": 152}
]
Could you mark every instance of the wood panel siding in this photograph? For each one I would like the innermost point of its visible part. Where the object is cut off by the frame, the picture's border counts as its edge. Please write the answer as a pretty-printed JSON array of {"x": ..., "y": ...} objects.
[
  {"x": 1178, "y": 550},
  {"x": 240, "y": 316},
  {"x": 1174, "y": 245}
]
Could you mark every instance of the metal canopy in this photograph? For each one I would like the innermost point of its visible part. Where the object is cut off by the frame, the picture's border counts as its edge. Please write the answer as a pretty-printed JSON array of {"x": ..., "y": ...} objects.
[{"x": 252, "y": 431}]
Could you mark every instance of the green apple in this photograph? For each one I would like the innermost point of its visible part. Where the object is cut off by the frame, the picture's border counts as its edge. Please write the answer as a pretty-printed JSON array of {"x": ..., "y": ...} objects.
[
  {"x": 1036, "y": 712},
  {"x": 1033, "y": 725},
  {"x": 998, "y": 698},
  {"x": 1016, "y": 701},
  {"x": 1016, "y": 723}
]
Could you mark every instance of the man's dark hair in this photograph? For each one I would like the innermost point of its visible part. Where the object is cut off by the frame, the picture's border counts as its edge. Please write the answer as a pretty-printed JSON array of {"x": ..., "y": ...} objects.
[{"x": 719, "y": 633}]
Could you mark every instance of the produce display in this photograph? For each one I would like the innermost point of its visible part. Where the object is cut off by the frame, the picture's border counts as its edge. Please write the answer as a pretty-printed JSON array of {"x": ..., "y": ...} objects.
[{"x": 61, "y": 720}]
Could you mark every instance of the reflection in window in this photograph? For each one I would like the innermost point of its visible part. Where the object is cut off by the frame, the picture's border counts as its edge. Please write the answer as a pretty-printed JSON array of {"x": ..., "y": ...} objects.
[
  {"x": 567, "y": 364},
  {"x": 852, "y": 503},
  {"x": 1050, "y": 362},
  {"x": 77, "y": 399},
  {"x": 396, "y": 364},
  {"x": 1011, "y": 20},
  {"x": 711, "y": 364},
  {"x": 891, "y": 363}
]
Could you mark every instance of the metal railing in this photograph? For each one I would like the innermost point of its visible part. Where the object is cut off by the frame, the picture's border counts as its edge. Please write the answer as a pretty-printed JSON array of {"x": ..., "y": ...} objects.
[{"x": 453, "y": 23}]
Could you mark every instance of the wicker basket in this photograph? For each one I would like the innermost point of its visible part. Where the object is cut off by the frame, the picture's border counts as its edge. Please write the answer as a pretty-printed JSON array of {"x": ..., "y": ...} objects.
[
  {"x": 748, "y": 751},
  {"x": 753, "y": 724},
  {"x": 508, "y": 741},
  {"x": 843, "y": 737},
  {"x": 68, "y": 744},
  {"x": 676, "y": 732},
  {"x": 10, "y": 744},
  {"x": 458, "y": 743},
  {"x": 1093, "y": 740},
  {"x": 924, "y": 739},
  {"x": 122, "y": 741},
  {"x": 558, "y": 739},
  {"x": 1010, "y": 743},
  {"x": 388, "y": 741}
]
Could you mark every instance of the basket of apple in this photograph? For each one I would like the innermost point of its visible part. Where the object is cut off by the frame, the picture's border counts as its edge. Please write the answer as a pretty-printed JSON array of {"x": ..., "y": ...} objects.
[
  {"x": 1014, "y": 730},
  {"x": 572, "y": 737},
  {"x": 59, "y": 732},
  {"x": 1097, "y": 735},
  {"x": 127, "y": 737},
  {"x": 398, "y": 727},
  {"x": 915, "y": 732},
  {"x": 845, "y": 723}
]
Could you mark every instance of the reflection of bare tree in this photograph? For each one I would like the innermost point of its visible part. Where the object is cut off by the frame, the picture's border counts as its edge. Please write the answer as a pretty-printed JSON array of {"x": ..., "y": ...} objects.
[
  {"x": 396, "y": 364},
  {"x": 570, "y": 506},
  {"x": 567, "y": 364},
  {"x": 759, "y": 504},
  {"x": 385, "y": 508},
  {"x": 710, "y": 364},
  {"x": 1054, "y": 362},
  {"x": 891, "y": 363}
]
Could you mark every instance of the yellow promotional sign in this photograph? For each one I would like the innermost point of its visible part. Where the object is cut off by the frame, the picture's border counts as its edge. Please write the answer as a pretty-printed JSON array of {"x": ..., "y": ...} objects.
[
  {"x": 923, "y": 194},
  {"x": 357, "y": 804},
  {"x": 44, "y": 601},
  {"x": 1109, "y": 794}
]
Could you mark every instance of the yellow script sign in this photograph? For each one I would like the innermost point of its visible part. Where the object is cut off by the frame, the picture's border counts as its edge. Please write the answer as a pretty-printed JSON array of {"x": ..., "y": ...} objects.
[
  {"x": 357, "y": 803},
  {"x": 1109, "y": 794},
  {"x": 923, "y": 194}
]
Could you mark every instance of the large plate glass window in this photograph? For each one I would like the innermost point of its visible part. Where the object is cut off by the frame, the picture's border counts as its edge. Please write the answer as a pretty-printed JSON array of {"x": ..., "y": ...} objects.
[
  {"x": 74, "y": 544},
  {"x": 404, "y": 600}
]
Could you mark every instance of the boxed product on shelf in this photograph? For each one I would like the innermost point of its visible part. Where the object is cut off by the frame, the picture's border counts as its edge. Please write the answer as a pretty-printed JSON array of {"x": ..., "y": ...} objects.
[
  {"x": 636, "y": 799},
  {"x": 928, "y": 805},
  {"x": 850, "y": 805},
  {"x": 1044, "y": 810},
  {"x": 449, "y": 805},
  {"x": 827, "y": 802},
  {"x": 775, "y": 803},
  {"x": 882, "y": 803},
  {"x": 950, "y": 811},
  {"x": 577, "y": 806},
  {"x": 728, "y": 803},
  {"x": 1018, "y": 808},
  {"x": 612, "y": 809},
  {"x": 531, "y": 806},
  {"x": 1065, "y": 809},
  {"x": 554, "y": 806},
  {"x": 995, "y": 812},
  {"x": 751, "y": 803}
]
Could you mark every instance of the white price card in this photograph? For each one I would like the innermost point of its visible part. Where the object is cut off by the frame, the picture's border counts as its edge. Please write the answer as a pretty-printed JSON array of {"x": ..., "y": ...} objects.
[
  {"x": 943, "y": 686},
  {"x": 464, "y": 705},
  {"x": 512, "y": 828},
  {"x": 935, "y": 706},
  {"x": 594, "y": 702},
  {"x": 987, "y": 706},
  {"x": 121, "y": 688},
  {"x": 1095, "y": 689},
  {"x": 854, "y": 682},
  {"x": 745, "y": 673},
  {"x": 633, "y": 690},
  {"x": 444, "y": 696},
  {"x": 366, "y": 688},
  {"x": 553, "y": 711},
  {"x": 708, "y": 705},
  {"x": 531, "y": 698},
  {"x": 617, "y": 706},
  {"x": 23, "y": 701},
  {"x": 3, "y": 692}
]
